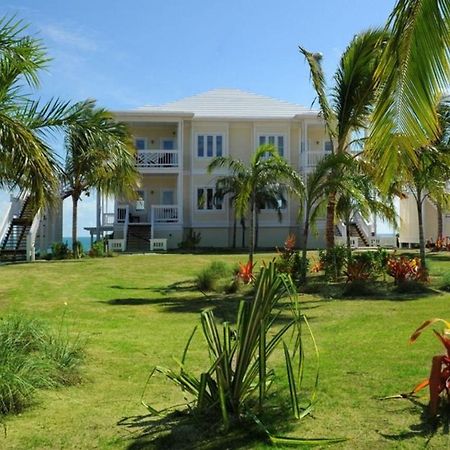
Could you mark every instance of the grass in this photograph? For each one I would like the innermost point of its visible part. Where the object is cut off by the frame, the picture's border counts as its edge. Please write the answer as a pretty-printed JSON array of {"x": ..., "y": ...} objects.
[{"x": 138, "y": 311}]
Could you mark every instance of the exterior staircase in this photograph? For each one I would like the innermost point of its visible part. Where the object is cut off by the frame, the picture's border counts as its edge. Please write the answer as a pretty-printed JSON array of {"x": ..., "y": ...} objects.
[
  {"x": 14, "y": 245},
  {"x": 138, "y": 237},
  {"x": 355, "y": 231}
]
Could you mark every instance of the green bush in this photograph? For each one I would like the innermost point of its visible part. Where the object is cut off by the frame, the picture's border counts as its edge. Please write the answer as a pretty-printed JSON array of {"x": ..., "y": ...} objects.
[
  {"x": 333, "y": 261},
  {"x": 33, "y": 357},
  {"x": 98, "y": 249},
  {"x": 445, "y": 283},
  {"x": 60, "y": 250},
  {"x": 216, "y": 277},
  {"x": 191, "y": 240}
]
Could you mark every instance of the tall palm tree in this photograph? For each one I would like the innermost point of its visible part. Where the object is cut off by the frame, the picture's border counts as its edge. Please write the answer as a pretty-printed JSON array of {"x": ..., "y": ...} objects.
[
  {"x": 99, "y": 155},
  {"x": 266, "y": 169},
  {"x": 318, "y": 185},
  {"x": 415, "y": 70},
  {"x": 26, "y": 160},
  {"x": 346, "y": 112}
]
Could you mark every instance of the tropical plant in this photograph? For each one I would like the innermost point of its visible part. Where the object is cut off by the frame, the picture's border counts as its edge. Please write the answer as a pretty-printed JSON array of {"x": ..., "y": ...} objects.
[
  {"x": 439, "y": 379},
  {"x": 333, "y": 260},
  {"x": 99, "y": 155},
  {"x": 26, "y": 160},
  {"x": 267, "y": 175},
  {"x": 209, "y": 278},
  {"x": 414, "y": 70},
  {"x": 346, "y": 113},
  {"x": 404, "y": 269},
  {"x": 235, "y": 385},
  {"x": 318, "y": 185}
]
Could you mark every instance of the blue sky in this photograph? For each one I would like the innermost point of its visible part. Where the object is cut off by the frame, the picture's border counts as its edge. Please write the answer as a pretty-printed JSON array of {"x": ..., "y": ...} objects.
[{"x": 127, "y": 54}]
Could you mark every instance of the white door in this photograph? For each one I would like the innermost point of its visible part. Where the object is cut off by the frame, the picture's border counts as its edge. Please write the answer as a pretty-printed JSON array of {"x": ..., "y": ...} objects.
[{"x": 168, "y": 197}]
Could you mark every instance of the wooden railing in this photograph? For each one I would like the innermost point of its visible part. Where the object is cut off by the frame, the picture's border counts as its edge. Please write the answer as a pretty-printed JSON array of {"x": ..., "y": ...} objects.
[{"x": 149, "y": 159}]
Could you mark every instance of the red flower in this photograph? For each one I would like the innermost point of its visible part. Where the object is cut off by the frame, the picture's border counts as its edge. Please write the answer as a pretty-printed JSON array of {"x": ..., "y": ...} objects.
[{"x": 246, "y": 272}]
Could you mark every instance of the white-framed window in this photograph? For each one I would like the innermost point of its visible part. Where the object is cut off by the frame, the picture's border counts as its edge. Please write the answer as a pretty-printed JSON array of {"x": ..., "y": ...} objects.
[
  {"x": 278, "y": 140},
  {"x": 167, "y": 144},
  {"x": 205, "y": 199},
  {"x": 328, "y": 146},
  {"x": 140, "y": 143},
  {"x": 140, "y": 202},
  {"x": 209, "y": 145},
  {"x": 269, "y": 206}
]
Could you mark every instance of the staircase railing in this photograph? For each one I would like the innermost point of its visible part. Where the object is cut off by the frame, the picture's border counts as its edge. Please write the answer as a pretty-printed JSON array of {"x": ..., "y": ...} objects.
[
  {"x": 364, "y": 227},
  {"x": 5, "y": 221},
  {"x": 31, "y": 237}
]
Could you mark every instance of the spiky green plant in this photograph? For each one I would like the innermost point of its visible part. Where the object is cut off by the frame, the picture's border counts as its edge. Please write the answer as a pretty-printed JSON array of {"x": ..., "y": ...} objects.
[{"x": 235, "y": 385}]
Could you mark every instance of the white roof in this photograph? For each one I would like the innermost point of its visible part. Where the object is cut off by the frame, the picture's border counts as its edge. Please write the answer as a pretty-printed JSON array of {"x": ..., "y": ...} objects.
[{"x": 230, "y": 103}]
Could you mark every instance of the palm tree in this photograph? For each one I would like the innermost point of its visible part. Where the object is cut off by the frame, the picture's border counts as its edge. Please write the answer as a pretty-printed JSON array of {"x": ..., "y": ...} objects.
[
  {"x": 346, "y": 112},
  {"x": 99, "y": 155},
  {"x": 26, "y": 160},
  {"x": 267, "y": 168},
  {"x": 414, "y": 68},
  {"x": 318, "y": 185},
  {"x": 427, "y": 173}
]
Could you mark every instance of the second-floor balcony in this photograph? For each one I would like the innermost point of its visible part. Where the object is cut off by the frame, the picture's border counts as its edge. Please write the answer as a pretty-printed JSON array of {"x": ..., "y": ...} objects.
[{"x": 157, "y": 159}]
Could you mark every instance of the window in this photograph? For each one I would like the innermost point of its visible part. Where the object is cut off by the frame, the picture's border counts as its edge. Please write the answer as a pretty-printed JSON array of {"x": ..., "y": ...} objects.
[
  {"x": 167, "y": 144},
  {"x": 140, "y": 202},
  {"x": 140, "y": 143},
  {"x": 274, "y": 139},
  {"x": 206, "y": 200},
  {"x": 209, "y": 145},
  {"x": 328, "y": 146}
]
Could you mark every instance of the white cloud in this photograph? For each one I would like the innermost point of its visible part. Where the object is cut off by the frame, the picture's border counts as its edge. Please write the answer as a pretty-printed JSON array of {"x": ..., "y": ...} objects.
[{"x": 64, "y": 37}]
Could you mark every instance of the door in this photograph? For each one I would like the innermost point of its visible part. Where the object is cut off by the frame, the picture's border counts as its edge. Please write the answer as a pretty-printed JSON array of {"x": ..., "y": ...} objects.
[{"x": 168, "y": 197}]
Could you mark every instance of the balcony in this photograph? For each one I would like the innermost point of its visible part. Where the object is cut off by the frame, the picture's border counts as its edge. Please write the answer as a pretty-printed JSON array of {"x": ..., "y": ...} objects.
[
  {"x": 157, "y": 159},
  {"x": 161, "y": 214}
]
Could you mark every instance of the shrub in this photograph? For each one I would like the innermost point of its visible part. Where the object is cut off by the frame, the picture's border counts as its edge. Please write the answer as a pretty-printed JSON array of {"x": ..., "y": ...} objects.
[
  {"x": 445, "y": 283},
  {"x": 367, "y": 265},
  {"x": 60, "y": 250},
  {"x": 404, "y": 269},
  {"x": 333, "y": 261},
  {"x": 98, "y": 249},
  {"x": 290, "y": 261},
  {"x": 214, "y": 277},
  {"x": 191, "y": 240},
  {"x": 32, "y": 357}
]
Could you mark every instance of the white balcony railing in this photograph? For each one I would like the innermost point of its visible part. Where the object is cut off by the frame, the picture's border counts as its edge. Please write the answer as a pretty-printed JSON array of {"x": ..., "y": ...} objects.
[
  {"x": 108, "y": 219},
  {"x": 149, "y": 159},
  {"x": 315, "y": 157},
  {"x": 164, "y": 214}
]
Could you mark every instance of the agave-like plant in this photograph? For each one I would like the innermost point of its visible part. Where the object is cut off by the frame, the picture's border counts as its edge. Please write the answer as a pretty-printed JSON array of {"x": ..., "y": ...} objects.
[
  {"x": 439, "y": 379},
  {"x": 235, "y": 385}
]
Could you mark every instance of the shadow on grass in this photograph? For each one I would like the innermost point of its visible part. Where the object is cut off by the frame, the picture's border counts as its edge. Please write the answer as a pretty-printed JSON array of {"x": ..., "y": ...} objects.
[
  {"x": 181, "y": 431},
  {"x": 439, "y": 256},
  {"x": 187, "y": 431},
  {"x": 427, "y": 428}
]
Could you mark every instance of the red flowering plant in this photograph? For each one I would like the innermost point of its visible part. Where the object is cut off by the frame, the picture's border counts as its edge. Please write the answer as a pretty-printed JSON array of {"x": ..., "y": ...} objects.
[
  {"x": 439, "y": 379},
  {"x": 406, "y": 269},
  {"x": 245, "y": 272}
]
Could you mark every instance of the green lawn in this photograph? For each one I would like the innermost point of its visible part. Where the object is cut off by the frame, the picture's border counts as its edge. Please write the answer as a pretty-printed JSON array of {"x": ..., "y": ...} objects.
[{"x": 138, "y": 311}]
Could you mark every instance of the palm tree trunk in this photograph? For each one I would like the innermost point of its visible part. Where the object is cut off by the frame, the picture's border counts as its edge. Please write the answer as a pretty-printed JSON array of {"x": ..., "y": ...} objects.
[
  {"x": 256, "y": 228},
  {"x": 330, "y": 219},
  {"x": 305, "y": 247},
  {"x": 440, "y": 222},
  {"x": 252, "y": 230},
  {"x": 74, "y": 225},
  {"x": 234, "y": 231},
  {"x": 419, "y": 204},
  {"x": 243, "y": 232}
]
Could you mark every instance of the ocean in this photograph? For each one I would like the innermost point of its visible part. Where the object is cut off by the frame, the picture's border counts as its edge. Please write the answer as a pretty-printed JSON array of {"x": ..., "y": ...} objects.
[{"x": 85, "y": 242}]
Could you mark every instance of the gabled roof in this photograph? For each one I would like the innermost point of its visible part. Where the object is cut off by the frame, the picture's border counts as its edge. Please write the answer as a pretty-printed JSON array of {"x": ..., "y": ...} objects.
[{"x": 231, "y": 103}]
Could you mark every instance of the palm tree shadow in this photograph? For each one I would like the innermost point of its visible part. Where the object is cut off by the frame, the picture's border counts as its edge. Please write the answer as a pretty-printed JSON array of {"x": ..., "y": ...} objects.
[{"x": 427, "y": 428}]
